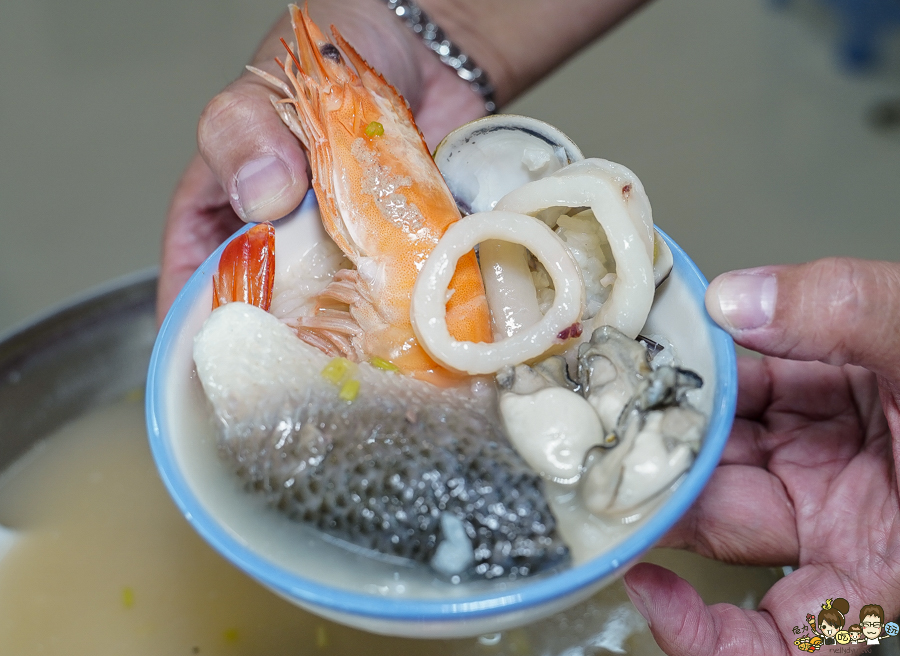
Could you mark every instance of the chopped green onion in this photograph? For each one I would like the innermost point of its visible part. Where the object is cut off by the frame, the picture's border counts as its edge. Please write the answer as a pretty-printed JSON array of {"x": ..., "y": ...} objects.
[
  {"x": 321, "y": 637},
  {"x": 349, "y": 390},
  {"x": 231, "y": 635},
  {"x": 338, "y": 370},
  {"x": 128, "y": 597},
  {"x": 374, "y": 129},
  {"x": 383, "y": 364}
]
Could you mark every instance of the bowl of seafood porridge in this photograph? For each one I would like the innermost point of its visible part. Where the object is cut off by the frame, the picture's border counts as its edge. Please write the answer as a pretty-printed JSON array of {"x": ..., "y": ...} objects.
[
  {"x": 451, "y": 393},
  {"x": 228, "y": 498}
]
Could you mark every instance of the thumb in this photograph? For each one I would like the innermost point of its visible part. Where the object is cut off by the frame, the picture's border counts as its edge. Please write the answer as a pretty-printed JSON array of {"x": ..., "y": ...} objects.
[
  {"x": 837, "y": 310},
  {"x": 256, "y": 158},
  {"x": 684, "y": 626}
]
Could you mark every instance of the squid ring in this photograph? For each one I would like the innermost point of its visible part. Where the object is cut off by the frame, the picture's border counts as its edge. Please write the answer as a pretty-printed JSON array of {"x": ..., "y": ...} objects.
[
  {"x": 589, "y": 183},
  {"x": 428, "y": 310}
]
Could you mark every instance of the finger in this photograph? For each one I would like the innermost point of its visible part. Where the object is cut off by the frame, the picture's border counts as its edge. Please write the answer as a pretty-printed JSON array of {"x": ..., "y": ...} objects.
[
  {"x": 779, "y": 399},
  {"x": 836, "y": 310},
  {"x": 743, "y": 516},
  {"x": 745, "y": 444},
  {"x": 254, "y": 156},
  {"x": 754, "y": 387},
  {"x": 199, "y": 219},
  {"x": 257, "y": 160},
  {"x": 684, "y": 626}
]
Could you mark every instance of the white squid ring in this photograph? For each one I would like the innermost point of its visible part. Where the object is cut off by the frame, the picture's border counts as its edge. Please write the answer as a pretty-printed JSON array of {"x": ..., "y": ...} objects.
[
  {"x": 589, "y": 183},
  {"x": 428, "y": 309}
]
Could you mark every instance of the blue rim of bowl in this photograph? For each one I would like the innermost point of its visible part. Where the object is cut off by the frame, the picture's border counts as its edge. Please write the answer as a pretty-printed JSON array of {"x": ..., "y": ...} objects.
[{"x": 523, "y": 596}]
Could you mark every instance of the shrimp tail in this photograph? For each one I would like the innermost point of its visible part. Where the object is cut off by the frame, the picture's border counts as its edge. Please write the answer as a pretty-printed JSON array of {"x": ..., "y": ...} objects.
[{"x": 246, "y": 270}]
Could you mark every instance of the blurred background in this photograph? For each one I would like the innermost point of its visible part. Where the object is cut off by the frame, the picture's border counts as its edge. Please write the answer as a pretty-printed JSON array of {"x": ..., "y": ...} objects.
[{"x": 753, "y": 140}]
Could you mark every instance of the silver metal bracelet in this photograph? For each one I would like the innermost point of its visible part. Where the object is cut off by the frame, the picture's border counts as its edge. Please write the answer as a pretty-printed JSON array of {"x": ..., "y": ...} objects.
[{"x": 434, "y": 37}]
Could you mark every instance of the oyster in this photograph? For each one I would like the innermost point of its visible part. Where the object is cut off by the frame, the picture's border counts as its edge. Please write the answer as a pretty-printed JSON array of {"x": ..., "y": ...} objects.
[
  {"x": 657, "y": 431},
  {"x": 623, "y": 431},
  {"x": 549, "y": 423}
]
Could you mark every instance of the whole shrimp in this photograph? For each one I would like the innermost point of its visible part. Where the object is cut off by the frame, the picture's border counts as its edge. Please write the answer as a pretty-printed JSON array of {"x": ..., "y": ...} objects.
[{"x": 382, "y": 200}]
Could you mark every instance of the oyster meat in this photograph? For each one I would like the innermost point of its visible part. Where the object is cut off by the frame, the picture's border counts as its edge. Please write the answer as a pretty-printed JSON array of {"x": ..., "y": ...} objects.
[{"x": 624, "y": 431}]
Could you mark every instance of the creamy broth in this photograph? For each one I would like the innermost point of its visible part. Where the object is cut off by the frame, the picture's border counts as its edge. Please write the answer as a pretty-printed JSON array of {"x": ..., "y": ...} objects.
[{"x": 104, "y": 564}]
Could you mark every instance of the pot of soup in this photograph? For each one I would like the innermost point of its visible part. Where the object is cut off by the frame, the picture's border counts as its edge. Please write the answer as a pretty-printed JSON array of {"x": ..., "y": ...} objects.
[{"x": 96, "y": 559}]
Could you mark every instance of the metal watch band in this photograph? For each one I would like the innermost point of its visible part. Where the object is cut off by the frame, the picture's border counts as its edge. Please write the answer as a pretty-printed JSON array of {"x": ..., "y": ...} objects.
[{"x": 434, "y": 37}]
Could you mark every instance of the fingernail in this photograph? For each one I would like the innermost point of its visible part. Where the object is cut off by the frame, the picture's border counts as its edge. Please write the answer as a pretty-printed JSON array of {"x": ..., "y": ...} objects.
[
  {"x": 638, "y": 601},
  {"x": 746, "y": 299},
  {"x": 260, "y": 182}
]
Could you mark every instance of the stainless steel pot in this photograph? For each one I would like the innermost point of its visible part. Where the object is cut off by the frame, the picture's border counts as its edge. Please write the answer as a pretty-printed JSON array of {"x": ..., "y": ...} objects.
[{"x": 78, "y": 356}]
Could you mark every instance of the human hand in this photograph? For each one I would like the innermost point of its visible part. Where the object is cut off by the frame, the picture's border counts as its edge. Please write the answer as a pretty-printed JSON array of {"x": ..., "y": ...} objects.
[{"x": 808, "y": 477}]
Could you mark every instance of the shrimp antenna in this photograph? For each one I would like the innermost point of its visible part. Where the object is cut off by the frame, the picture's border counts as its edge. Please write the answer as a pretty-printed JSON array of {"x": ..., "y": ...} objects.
[{"x": 291, "y": 53}]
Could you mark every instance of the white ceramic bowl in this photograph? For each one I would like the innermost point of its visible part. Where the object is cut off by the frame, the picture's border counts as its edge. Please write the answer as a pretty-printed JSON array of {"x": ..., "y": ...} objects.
[{"x": 307, "y": 572}]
